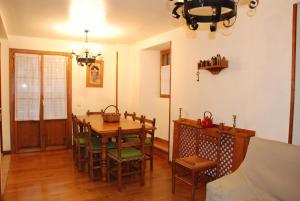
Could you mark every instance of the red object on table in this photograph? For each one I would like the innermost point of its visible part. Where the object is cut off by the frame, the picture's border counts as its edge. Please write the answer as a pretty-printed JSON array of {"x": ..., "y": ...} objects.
[{"x": 207, "y": 121}]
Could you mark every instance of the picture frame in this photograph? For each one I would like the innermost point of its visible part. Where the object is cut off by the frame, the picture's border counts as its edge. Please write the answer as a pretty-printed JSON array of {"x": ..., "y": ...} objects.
[{"x": 94, "y": 74}]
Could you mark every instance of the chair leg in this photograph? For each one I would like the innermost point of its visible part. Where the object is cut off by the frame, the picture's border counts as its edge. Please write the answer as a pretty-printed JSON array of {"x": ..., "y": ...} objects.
[
  {"x": 108, "y": 170},
  {"x": 151, "y": 158},
  {"x": 143, "y": 171},
  {"x": 193, "y": 186},
  {"x": 79, "y": 158},
  {"x": 173, "y": 177},
  {"x": 91, "y": 166},
  {"x": 120, "y": 176},
  {"x": 74, "y": 151}
]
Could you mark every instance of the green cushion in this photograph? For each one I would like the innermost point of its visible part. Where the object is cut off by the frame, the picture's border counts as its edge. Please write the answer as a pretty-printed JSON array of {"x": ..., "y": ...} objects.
[
  {"x": 96, "y": 145},
  {"x": 131, "y": 139},
  {"x": 147, "y": 140},
  {"x": 111, "y": 145},
  {"x": 126, "y": 153},
  {"x": 82, "y": 140}
]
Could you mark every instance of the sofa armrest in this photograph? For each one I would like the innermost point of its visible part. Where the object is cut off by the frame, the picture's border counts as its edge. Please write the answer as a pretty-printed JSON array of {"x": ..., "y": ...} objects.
[{"x": 235, "y": 187}]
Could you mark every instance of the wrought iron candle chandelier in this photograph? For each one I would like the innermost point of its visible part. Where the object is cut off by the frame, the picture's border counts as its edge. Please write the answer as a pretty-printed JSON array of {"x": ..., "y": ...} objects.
[
  {"x": 86, "y": 57},
  {"x": 221, "y": 11}
]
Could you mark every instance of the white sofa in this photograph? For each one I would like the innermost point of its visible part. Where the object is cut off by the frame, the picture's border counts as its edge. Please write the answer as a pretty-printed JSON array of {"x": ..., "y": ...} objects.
[{"x": 270, "y": 171}]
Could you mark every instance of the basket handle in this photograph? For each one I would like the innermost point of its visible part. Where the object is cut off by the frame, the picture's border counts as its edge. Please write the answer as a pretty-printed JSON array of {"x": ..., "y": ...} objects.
[
  {"x": 210, "y": 114},
  {"x": 117, "y": 110}
]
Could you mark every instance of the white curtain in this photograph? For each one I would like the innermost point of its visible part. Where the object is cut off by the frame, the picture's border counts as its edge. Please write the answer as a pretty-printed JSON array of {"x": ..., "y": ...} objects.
[
  {"x": 27, "y": 87},
  {"x": 55, "y": 87}
]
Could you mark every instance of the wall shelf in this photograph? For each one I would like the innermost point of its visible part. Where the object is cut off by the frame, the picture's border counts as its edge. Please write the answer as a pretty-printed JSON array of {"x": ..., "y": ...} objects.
[{"x": 215, "y": 69}]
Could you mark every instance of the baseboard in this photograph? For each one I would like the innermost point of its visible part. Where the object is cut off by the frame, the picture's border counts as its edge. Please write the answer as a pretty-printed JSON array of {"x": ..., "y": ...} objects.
[
  {"x": 6, "y": 152},
  {"x": 157, "y": 139},
  {"x": 161, "y": 148},
  {"x": 161, "y": 144}
]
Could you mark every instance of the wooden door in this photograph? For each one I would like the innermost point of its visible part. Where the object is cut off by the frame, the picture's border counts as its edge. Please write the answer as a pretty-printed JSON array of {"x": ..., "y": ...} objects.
[
  {"x": 55, "y": 98},
  {"x": 34, "y": 126}
]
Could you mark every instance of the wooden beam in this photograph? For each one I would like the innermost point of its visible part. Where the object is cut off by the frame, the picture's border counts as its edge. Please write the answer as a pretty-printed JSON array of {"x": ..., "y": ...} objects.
[
  {"x": 293, "y": 74},
  {"x": 117, "y": 79}
]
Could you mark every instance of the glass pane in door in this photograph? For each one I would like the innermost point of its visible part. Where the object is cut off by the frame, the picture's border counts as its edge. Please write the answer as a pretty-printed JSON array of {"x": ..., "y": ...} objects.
[
  {"x": 27, "y": 87},
  {"x": 55, "y": 87}
]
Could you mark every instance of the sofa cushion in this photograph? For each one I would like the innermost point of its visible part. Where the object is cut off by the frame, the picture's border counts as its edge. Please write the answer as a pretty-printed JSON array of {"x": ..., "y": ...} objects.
[{"x": 270, "y": 171}]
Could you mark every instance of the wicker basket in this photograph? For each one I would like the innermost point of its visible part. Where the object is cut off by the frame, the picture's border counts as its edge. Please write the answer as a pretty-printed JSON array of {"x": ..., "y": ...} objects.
[{"x": 111, "y": 117}]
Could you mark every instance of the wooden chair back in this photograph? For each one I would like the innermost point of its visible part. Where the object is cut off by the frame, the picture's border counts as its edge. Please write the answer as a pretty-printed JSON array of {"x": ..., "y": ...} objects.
[
  {"x": 123, "y": 144},
  {"x": 76, "y": 127},
  {"x": 91, "y": 113},
  {"x": 208, "y": 143},
  {"x": 132, "y": 115},
  {"x": 152, "y": 123},
  {"x": 141, "y": 119},
  {"x": 87, "y": 132}
]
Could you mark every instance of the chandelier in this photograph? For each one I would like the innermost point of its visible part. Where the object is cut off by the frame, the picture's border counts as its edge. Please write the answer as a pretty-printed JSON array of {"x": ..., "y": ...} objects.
[
  {"x": 86, "y": 57},
  {"x": 220, "y": 10}
]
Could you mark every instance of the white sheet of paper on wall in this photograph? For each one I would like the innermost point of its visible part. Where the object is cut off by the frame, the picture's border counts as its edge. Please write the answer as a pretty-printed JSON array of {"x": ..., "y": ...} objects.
[{"x": 165, "y": 80}]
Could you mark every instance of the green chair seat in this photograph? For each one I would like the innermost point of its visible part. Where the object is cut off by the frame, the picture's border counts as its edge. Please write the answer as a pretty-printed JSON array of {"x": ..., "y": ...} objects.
[
  {"x": 111, "y": 145},
  {"x": 126, "y": 153},
  {"x": 82, "y": 140},
  {"x": 96, "y": 146},
  {"x": 131, "y": 139}
]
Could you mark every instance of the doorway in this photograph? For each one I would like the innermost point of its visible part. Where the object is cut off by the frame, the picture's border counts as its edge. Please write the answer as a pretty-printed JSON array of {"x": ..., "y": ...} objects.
[
  {"x": 155, "y": 91},
  {"x": 40, "y": 100},
  {"x": 294, "y": 127}
]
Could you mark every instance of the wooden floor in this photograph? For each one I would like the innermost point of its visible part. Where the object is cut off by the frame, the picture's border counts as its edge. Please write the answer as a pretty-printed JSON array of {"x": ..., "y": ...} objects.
[{"x": 51, "y": 176}]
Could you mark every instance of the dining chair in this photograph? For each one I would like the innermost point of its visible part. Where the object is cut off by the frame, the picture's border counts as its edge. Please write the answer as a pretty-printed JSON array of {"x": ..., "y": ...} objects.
[
  {"x": 93, "y": 151},
  {"x": 125, "y": 153},
  {"x": 149, "y": 141},
  {"x": 79, "y": 142},
  {"x": 203, "y": 163},
  {"x": 91, "y": 113},
  {"x": 132, "y": 115}
]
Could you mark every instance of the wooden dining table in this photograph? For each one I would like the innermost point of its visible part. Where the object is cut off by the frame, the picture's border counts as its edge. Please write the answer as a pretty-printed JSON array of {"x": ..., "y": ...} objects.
[{"x": 107, "y": 130}]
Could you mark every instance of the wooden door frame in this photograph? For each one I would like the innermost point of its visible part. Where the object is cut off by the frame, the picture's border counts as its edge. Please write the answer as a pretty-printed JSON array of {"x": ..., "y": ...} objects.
[
  {"x": 12, "y": 52},
  {"x": 293, "y": 74},
  {"x": 1, "y": 134},
  {"x": 163, "y": 52}
]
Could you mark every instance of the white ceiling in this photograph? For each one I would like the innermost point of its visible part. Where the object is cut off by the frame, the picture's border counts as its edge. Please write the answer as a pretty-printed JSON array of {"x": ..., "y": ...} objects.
[{"x": 109, "y": 21}]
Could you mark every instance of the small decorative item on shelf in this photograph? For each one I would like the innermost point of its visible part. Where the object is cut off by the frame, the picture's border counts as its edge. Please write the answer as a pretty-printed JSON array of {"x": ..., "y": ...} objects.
[
  {"x": 214, "y": 65},
  {"x": 180, "y": 110},
  {"x": 207, "y": 121},
  {"x": 111, "y": 117},
  {"x": 221, "y": 126},
  {"x": 234, "y": 121}
]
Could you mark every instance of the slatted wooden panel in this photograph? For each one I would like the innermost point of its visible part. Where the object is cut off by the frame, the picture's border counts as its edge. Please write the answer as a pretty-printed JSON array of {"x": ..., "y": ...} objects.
[
  {"x": 187, "y": 141},
  {"x": 207, "y": 149},
  {"x": 226, "y": 155}
]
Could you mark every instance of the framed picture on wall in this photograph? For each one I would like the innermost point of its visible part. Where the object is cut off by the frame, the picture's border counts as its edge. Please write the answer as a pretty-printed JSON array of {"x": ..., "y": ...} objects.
[{"x": 94, "y": 74}]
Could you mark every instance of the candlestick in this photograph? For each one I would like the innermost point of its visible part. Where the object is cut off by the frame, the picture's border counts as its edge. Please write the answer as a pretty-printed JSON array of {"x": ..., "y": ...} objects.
[
  {"x": 180, "y": 110},
  {"x": 234, "y": 121}
]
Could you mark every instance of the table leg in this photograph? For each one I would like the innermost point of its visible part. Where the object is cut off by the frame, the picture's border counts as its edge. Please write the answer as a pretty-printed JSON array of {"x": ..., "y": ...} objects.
[{"x": 104, "y": 158}]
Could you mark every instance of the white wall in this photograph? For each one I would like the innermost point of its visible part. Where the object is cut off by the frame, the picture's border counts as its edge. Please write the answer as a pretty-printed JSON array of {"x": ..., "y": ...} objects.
[
  {"x": 82, "y": 98},
  {"x": 255, "y": 87},
  {"x": 296, "y": 128},
  {"x": 151, "y": 104}
]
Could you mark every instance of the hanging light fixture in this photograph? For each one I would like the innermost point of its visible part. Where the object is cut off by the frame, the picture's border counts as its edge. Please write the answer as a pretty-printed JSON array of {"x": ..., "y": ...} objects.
[
  {"x": 220, "y": 10},
  {"x": 85, "y": 57}
]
